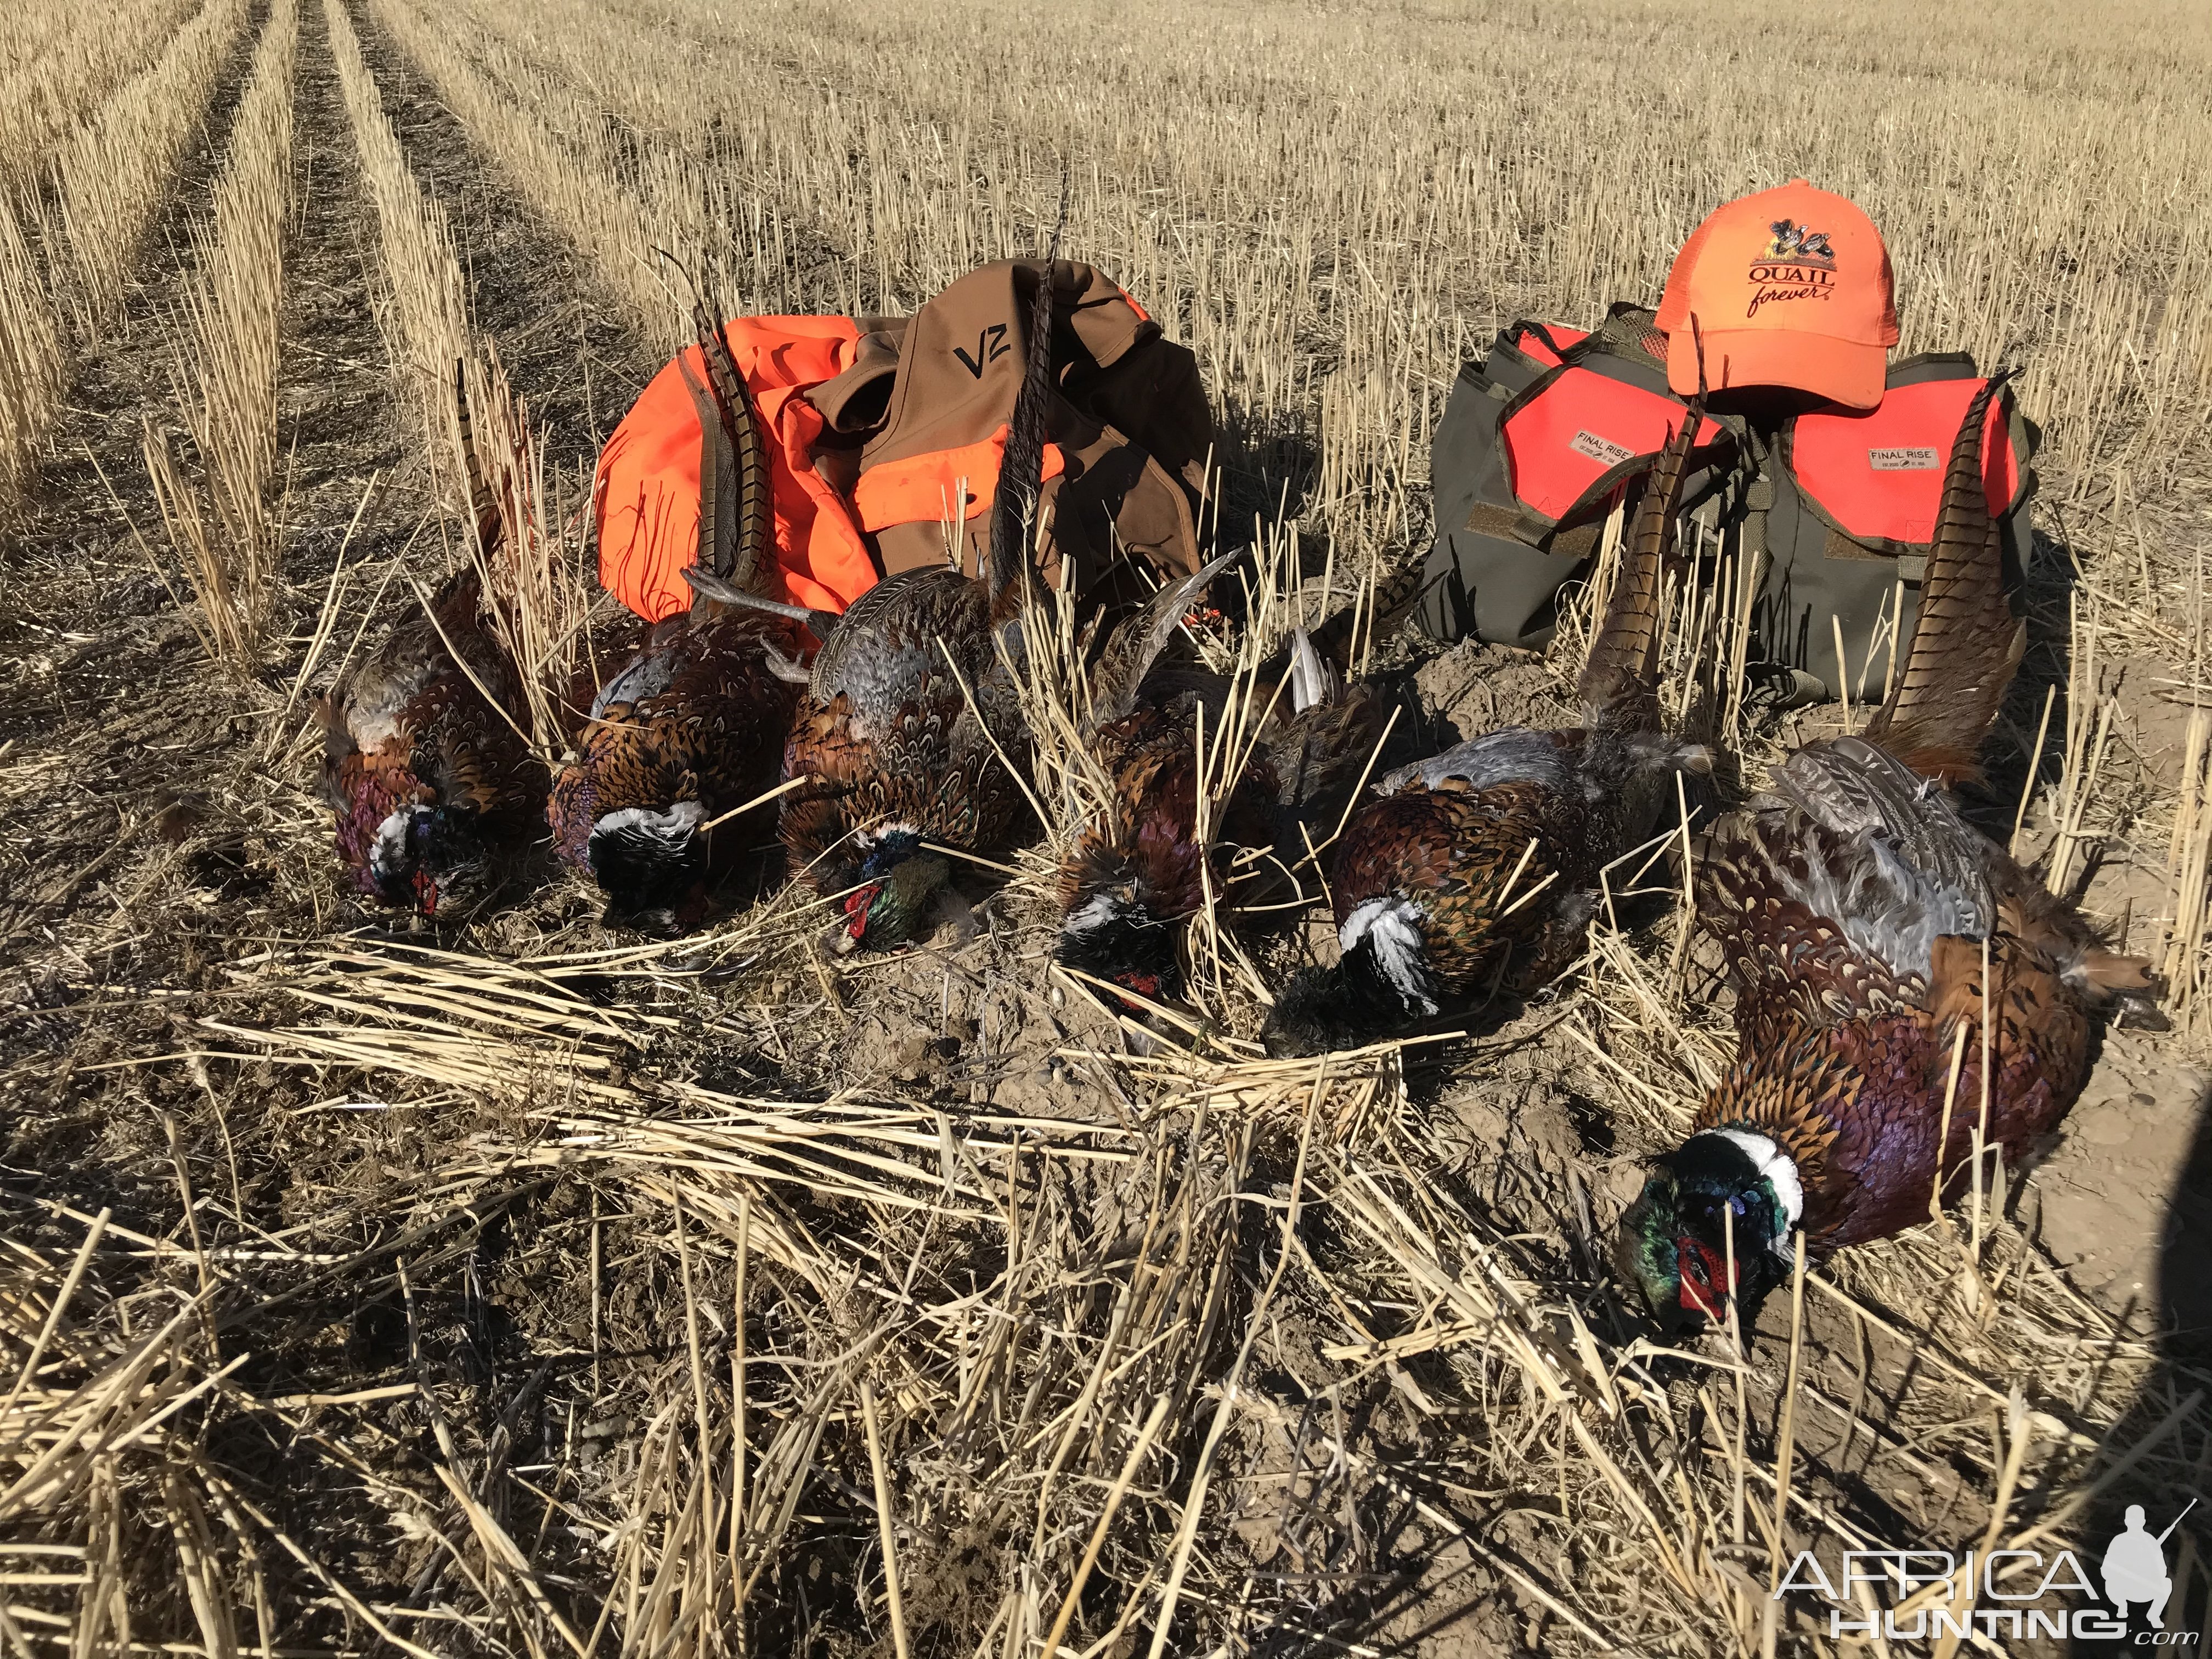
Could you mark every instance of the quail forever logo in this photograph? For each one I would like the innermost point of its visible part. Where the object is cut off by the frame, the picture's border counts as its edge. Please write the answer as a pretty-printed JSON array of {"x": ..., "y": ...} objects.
[
  {"x": 1939, "y": 1593},
  {"x": 1795, "y": 262}
]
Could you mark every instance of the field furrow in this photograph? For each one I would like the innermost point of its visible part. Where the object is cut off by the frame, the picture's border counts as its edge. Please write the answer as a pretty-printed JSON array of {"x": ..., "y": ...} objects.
[
  {"x": 112, "y": 176},
  {"x": 59, "y": 62},
  {"x": 220, "y": 507}
]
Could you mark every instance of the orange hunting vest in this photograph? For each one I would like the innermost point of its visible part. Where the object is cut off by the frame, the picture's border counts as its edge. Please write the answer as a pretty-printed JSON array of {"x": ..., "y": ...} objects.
[
  {"x": 885, "y": 438},
  {"x": 646, "y": 496}
]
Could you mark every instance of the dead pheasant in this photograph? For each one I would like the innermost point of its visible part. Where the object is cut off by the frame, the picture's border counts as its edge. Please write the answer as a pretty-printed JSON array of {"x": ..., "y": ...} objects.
[
  {"x": 1139, "y": 874},
  {"x": 691, "y": 727},
  {"x": 911, "y": 704},
  {"x": 1883, "y": 953},
  {"x": 1472, "y": 868},
  {"x": 423, "y": 758}
]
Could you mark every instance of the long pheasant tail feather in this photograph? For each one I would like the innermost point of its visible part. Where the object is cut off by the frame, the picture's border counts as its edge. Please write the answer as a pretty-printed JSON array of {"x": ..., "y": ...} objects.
[
  {"x": 718, "y": 592},
  {"x": 1137, "y": 643},
  {"x": 1966, "y": 642},
  {"x": 748, "y": 563},
  {"x": 1622, "y": 677},
  {"x": 483, "y": 506},
  {"x": 1021, "y": 468}
]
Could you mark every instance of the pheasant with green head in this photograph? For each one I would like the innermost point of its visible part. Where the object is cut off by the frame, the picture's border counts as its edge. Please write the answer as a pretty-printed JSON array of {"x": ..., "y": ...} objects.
[
  {"x": 435, "y": 792},
  {"x": 1904, "y": 988},
  {"x": 1141, "y": 868},
  {"x": 903, "y": 729},
  {"x": 691, "y": 727}
]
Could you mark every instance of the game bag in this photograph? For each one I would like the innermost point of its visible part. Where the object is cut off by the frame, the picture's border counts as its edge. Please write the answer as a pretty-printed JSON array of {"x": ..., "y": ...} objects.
[
  {"x": 1537, "y": 443},
  {"x": 884, "y": 438},
  {"x": 1837, "y": 508}
]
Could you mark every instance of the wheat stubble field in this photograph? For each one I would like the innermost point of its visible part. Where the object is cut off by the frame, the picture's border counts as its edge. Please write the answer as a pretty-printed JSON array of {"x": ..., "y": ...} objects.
[{"x": 530, "y": 1288}]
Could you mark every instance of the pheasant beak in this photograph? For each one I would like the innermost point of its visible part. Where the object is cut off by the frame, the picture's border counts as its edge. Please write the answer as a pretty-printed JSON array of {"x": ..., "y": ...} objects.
[{"x": 847, "y": 936}]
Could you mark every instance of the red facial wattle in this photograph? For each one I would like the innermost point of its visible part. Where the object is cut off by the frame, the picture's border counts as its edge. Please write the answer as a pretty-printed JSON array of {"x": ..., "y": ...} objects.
[
  {"x": 856, "y": 908},
  {"x": 426, "y": 893},
  {"x": 1144, "y": 985},
  {"x": 1701, "y": 1269}
]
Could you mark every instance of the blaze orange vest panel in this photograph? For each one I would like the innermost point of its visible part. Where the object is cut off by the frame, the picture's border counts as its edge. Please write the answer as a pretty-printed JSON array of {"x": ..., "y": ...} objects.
[
  {"x": 646, "y": 492},
  {"x": 1575, "y": 434},
  {"x": 944, "y": 484},
  {"x": 1878, "y": 477}
]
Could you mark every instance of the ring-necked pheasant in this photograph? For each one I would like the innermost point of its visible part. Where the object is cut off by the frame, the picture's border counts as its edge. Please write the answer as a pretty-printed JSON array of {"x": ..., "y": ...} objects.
[
  {"x": 898, "y": 755},
  {"x": 1474, "y": 867},
  {"x": 423, "y": 756},
  {"x": 691, "y": 727},
  {"x": 1137, "y": 875},
  {"x": 1855, "y": 908}
]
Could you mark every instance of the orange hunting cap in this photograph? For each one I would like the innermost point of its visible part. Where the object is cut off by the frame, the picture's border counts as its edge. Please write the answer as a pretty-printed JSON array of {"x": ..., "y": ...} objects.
[{"x": 1790, "y": 288}]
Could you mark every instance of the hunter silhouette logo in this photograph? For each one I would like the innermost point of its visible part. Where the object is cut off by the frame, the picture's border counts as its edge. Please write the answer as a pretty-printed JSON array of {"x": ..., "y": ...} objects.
[
  {"x": 990, "y": 345},
  {"x": 2135, "y": 1567},
  {"x": 2001, "y": 1593}
]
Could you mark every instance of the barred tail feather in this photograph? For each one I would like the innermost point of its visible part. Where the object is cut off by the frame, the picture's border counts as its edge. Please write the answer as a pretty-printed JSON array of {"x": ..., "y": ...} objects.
[
  {"x": 1137, "y": 643},
  {"x": 749, "y": 564},
  {"x": 1021, "y": 470},
  {"x": 1966, "y": 642},
  {"x": 1621, "y": 678}
]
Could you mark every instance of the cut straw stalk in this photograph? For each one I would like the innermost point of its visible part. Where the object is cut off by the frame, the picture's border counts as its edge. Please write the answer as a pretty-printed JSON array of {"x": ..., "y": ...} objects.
[
  {"x": 537, "y": 596},
  {"x": 599, "y": 211},
  {"x": 113, "y": 174},
  {"x": 31, "y": 363},
  {"x": 2188, "y": 873},
  {"x": 63, "y": 63},
  {"x": 537, "y": 592},
  {"x": 886, "y": 1523},
  {"x": 424, "y": 316},
  {"x": 223, "y": 525}
]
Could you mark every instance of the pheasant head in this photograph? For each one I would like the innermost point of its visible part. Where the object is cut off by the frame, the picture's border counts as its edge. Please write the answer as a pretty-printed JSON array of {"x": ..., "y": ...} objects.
[
  {"x": 1125, "y": 901},
  {"x": 1378, "y": 986},
  {"x": 434, "y": 860},
  {"x": 1123, "y": 931},
  {"x": 898, "y": 885},
  {"x": 1723, "y": 1198},
  {"x": 652, "y": 866}
]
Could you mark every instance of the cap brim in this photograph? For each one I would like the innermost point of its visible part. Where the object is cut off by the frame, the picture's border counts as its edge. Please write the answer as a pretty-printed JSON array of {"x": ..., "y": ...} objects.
[{"x": 1842, "y": 371}]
